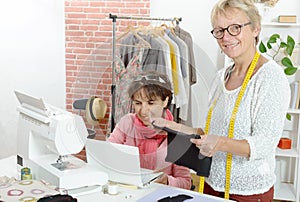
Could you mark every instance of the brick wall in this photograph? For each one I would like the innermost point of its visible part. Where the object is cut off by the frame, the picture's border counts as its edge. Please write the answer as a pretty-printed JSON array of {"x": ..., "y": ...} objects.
[{"x": 89, "y": 48}]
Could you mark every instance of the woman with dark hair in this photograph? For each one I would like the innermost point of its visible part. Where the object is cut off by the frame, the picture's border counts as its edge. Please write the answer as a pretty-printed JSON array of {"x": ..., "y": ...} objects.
[{"x": 150, "y": 91}]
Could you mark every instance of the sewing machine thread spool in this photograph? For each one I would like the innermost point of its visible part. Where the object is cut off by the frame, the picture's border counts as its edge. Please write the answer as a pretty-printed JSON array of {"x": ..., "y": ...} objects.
[
  {"x": 25, "y": 174},
  {"x": 113, "y": 188},
  {"x": 25, "y": 170},
  {"x": 26, "y": 177}
]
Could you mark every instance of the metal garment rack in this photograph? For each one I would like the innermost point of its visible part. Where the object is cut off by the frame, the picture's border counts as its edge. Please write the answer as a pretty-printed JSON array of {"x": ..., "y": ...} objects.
[{"x": 114, "y": 20}]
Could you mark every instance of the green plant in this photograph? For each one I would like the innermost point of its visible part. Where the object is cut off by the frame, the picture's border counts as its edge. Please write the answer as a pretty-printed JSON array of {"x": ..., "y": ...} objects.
[{"x": 274, "y": 45}]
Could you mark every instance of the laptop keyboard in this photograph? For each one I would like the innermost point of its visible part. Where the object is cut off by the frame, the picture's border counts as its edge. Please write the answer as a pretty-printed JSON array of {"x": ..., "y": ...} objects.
[{"x": 148, "y": 176}]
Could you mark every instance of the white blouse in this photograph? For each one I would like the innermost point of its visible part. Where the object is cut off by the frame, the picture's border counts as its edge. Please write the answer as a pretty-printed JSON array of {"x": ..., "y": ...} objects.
[{"x": 260, "y": 120}]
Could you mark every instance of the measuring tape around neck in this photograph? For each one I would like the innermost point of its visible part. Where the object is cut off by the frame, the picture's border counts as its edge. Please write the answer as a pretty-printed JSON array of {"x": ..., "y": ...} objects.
[{"x": 231, "y": 125}]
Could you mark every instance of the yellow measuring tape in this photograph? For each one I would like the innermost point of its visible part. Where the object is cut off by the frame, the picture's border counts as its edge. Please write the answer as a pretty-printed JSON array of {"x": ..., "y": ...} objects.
[{"x": 231, "y": 125}]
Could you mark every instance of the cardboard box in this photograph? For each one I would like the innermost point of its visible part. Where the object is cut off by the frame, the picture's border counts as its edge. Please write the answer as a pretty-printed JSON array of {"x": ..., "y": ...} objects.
[
  {"x": 287, "y": 18},
  {"x": 285, "y": 143}
]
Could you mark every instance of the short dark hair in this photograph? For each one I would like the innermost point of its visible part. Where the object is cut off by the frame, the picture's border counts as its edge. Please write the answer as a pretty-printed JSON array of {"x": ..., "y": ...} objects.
[{"x": 154, "y": 84}]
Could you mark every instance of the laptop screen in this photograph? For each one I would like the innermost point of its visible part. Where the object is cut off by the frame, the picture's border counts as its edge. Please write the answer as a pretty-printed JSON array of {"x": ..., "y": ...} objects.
[{"x": 120, "y": 162}]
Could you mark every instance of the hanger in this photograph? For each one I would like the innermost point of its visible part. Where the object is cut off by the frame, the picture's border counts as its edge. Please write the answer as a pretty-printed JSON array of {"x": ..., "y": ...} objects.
[
  {"x": 142, "y": 42},
  {"x": 150, "y": 30},
  {"x": 142, "y": 30},
  {"x": 127, "y": 30},
  {"x": 164, "y": 26},
  {"x": 171, "y": 28},
  {"x": 157, "y": 32}
]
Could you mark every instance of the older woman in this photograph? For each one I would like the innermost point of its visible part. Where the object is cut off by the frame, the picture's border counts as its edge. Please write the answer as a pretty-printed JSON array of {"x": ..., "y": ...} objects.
[{"x": 249, "y": 101}]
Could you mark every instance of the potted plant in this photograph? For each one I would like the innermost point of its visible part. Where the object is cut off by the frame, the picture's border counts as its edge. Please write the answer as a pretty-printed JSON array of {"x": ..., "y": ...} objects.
[
  {"x": 270, "y": 3},
  {"x": 280, "y": 51},
  {"x": 274, "y": 48}
]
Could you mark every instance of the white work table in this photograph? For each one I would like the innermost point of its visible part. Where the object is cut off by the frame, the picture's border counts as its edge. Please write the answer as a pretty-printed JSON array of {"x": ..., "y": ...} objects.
[{"x": 151, "y": 193}]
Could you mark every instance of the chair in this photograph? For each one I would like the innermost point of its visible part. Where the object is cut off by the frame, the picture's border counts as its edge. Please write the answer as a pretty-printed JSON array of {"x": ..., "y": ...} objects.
[{"x": 81, "y": 105}]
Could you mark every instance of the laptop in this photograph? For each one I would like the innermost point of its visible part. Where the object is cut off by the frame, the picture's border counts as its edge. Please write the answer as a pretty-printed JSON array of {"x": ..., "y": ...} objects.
[{"x": 120, "y": 162}]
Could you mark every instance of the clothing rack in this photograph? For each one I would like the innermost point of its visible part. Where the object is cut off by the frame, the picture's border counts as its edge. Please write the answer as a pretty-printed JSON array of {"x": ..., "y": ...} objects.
[{"x": 114, "y": 20}]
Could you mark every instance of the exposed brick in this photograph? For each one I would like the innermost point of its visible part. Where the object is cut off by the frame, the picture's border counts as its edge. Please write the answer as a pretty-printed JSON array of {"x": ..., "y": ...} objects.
[
  {"x": 74, "y": 33},
  {"x": 98, "y": 3},
  {"x": 73, "y": 44},
  {"x": 78, "y": 3},
  {"x": 85, "y": 51},
  {"x": 116, "y": 4},
  {"x": 94, "y": 16},
  {"x": 73, "y": 27},
  {"x": 76, "y": 15},
  {"x": 91, "y": 22},
  {"x": 89, "y": 47},
  {"x": 72, "y": 22},
  {"x": 89, "y": 27},
  {"x": 70, "y": 56},
  {"x": 91, "y": 10},
  {"x": 73, "y": 9},
  {"x": 69, "y": 62}
]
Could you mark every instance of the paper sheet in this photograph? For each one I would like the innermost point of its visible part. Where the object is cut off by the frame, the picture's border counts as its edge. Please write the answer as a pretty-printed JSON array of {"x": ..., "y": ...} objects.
[{"x": 170, "y": 191}]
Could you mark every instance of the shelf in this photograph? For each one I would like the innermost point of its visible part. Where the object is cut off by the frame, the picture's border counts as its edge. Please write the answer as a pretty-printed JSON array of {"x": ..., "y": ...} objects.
[
  {"x": 293, "y": 111},
  {"x": 279, "y": 24},
  {"x": 287, "y": 152},
  {"x": 285, "y": 192},
  {"x": 288, "y": 171}
]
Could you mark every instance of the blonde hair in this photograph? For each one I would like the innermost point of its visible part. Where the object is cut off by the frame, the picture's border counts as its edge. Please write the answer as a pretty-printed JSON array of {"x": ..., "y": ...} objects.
[{"x": 247, "y": 6}]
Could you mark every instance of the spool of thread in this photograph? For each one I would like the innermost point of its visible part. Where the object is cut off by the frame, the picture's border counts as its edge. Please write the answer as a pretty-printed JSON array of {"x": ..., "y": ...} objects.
[
  {"x": 26, "y": 177},
  {"x": 25, "y": 174},
  {"x": 25, "y": 171},
  {"x": 28, "y": 199},
  {"x": 113, "y": 189}
]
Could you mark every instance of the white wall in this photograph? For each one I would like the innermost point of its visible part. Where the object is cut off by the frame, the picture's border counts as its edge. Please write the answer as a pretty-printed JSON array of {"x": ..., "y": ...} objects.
[
  {"x": 196, "y": 20},
  {"x": 32, "y": 59}
]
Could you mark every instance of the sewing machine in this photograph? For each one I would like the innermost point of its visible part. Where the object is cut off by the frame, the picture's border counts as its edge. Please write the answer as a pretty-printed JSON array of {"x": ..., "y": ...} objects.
[{"x": 46, "y": 138}]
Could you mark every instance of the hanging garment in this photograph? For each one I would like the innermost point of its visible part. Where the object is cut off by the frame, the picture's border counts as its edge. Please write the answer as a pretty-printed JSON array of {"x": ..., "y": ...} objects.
[
  {"x": 127, "y": 52},
  {"x": 152, "y": 58},
  {"x": 178, "y": 84},
  {"x": 183, "y": 50},
  {"x": 124, "y": 76},
  {"x": 187, "y": 38},
  {"x": 166, "y": 54}
]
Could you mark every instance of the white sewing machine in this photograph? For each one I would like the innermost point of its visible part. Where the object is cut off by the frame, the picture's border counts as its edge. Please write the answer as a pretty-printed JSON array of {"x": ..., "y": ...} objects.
[{"x": 46, "y": 138}]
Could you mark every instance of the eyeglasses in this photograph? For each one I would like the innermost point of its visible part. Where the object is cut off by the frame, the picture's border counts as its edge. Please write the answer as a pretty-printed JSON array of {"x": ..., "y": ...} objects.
[
  {"x": 233, "y": 30},
  {"x": 149, "y": 78}
]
